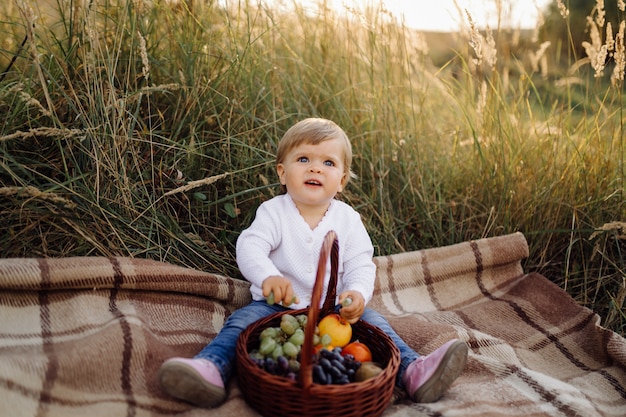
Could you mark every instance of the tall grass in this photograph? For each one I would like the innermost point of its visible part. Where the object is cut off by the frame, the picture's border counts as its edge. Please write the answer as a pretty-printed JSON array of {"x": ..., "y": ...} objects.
[{"x": 148, "y": 129}]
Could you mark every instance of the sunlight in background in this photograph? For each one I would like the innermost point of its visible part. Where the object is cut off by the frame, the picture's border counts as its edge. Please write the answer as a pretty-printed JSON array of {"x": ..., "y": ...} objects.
[{"x": 443, "y": 15}]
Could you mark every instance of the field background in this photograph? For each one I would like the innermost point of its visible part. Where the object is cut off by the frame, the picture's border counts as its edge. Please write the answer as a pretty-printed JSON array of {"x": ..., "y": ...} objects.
[{"x": 148, "y": 129}]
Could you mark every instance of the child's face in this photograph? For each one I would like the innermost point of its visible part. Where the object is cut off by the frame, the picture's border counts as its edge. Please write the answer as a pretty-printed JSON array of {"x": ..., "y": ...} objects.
[{"x": 313, "y": 174}]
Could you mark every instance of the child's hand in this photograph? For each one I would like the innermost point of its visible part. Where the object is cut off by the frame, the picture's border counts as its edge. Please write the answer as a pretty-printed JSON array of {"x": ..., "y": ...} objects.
[
  {"x": 282, "y": 289},
  {"x": 352, "y": 312}
]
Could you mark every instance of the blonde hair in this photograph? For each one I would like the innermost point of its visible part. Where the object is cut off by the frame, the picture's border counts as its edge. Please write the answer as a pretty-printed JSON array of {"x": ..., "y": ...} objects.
[{"x": 313, "y": 131}]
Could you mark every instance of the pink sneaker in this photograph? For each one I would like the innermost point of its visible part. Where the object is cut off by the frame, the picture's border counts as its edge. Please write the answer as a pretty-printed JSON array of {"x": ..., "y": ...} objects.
[
  {"x": 197, "y": 381},
  {"x": 428, "y": 377}
]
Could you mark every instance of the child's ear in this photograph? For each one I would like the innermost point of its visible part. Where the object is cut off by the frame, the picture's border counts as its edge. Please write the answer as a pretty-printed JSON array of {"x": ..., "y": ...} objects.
[
  {"x": 342, "y": 183},
  {"x": 280, "y": 170}
]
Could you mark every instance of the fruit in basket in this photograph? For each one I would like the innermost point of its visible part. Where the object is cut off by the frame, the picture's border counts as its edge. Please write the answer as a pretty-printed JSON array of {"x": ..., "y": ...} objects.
[
  {"x": 367, "y": 370},
  {"x": 290, "y": 350},
  {"x": 326, "y": 340},
  {"x": 289, "y": 324},
  {"x": 333, "y": 368},
  {"x": 358, "y": 350},
  {"x": 297, "y": 338},
  {"x": 277, "y": 352},
  {"x": 279, "y": 348},
  {"x": 271, "y": 332},
  {"x": 302, "y": 319},
  {"x": 319, "y": 347},
  {"x": 339, "y": 330},
  {"x": 267, "y": 346}
]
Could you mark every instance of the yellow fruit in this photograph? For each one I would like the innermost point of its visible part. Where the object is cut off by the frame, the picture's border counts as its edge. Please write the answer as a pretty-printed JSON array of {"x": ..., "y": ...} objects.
[{"x": 339, "y": 330}]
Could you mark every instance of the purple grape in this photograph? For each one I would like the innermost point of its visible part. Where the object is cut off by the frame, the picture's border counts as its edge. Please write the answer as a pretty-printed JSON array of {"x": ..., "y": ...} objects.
[
  {"x": 271, "y": 365},
  {"x": 283, "y": 364},
  {"x": 319, "y": 376}
]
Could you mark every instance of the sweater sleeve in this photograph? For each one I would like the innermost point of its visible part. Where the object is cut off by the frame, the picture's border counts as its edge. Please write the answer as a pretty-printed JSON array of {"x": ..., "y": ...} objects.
[
  {"x": 359, "y": 270},
  {"x": 254, "y": 246}
]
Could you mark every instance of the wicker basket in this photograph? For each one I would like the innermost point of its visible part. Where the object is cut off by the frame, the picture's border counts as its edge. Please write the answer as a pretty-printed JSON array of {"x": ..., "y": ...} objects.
[{"x": 273, "y": 395}]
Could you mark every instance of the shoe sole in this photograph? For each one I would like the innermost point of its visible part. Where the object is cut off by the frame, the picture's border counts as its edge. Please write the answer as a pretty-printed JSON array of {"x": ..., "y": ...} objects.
[
  {"x": 449, "y": 369},
  {"x": 185, "y": 383}
]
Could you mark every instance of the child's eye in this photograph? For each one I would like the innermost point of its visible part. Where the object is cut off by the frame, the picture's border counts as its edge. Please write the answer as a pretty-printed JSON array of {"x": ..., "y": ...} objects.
[
  {"x": 329, "y": 163},
  {"x": 303, "y": 159}
]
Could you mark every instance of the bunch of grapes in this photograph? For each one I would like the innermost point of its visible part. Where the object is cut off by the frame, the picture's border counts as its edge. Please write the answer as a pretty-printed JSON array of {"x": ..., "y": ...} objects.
[
  {"x": 331, "y": 367},
  {"x": 280, "y": 349}
]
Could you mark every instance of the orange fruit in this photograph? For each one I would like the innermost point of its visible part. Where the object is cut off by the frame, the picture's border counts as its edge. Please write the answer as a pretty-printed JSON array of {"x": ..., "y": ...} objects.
[
  {"x": 339, "y": 330},
  {"x": 317, "y": 348},
  {"x": 359, "y": 350}
]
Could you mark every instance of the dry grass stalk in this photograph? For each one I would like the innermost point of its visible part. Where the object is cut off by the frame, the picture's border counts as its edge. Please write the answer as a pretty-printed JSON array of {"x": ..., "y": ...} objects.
[
  {"x": 610, "y": 42},
  {"x": 29, "y": 16},
  {"x": 597, "y": 51},
  {"x": 538, "y": 57},
  {"x": 475, "y": 40},
  {"x": 145, "y": 70},
  {"x": 482, "y": 101},
  {"x": 600, "y": 13},
  {"x": 160, "y": 87},
  {"x": 484, "y": 48},
  {"x": 198, "y": 183},
  {"x": 35, "y": 193},
  {"x": 568, "y": 82},
  {"x": 563, "y": 9},
  {"x": 491, "y": 53},
  {"x": 28, "y": 99},
  {"x": 614, "y": 47},
  {"x": 619, "y": 56},
  {"x": 43, "y": 131},
  {"x": 611, "y": 226}
]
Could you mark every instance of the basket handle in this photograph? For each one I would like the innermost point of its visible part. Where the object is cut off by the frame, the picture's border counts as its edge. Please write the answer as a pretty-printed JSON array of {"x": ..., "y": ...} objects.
[{"x": 330, "y": 246}]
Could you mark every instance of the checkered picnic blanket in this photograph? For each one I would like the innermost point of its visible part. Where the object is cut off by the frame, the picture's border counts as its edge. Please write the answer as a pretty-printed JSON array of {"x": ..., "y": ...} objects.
[{"x": 85, "y": 336}]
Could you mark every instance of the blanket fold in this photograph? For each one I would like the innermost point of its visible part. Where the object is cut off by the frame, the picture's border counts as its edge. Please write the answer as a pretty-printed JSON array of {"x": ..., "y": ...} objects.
[{"x": 85, "y": 335}]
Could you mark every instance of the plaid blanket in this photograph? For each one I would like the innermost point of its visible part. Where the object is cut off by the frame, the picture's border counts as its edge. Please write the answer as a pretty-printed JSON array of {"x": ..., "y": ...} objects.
[{"x": 85, "y": 336}]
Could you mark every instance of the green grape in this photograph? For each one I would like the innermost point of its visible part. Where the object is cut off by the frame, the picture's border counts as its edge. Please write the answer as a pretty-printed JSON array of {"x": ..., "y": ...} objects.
[
  {"x": 267, "y": 346},
  {"x": 290, "y": 350},
  {"x": 278, "y": 351},
  {"x": 288, "y": 328},
  {"x": 291, "y": 319},
  {"x": 272, "y": 332},
  {"x": 297, "y": 338},
  {"x": 289, "y": 324},
  {"x": 270, "y": 298},
  {"x": 302, "y": 319},
  {"x": 326, "y": 339}
]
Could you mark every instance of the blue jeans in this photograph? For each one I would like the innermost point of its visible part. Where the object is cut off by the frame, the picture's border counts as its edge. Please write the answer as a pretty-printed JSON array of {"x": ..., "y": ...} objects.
[{"x": 221, "y": 350}]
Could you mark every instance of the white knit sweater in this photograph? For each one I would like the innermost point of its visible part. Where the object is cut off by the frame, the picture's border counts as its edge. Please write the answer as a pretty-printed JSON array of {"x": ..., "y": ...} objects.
[{"x": 280, "y": 242}]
